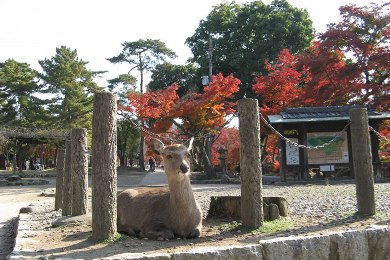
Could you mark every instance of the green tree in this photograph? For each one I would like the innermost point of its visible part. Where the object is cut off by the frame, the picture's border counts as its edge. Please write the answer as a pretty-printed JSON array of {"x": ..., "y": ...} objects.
[
  {"x": 245, "y": 36},
  {"x": 128, "y": 140},
  {"x": 165, "y": 74},
  {"x": 121, "y": 85},
  {"x": 67, "y": 78},
  {"x": 19, "y": 106},
  {"x": 143, "y": 55}
]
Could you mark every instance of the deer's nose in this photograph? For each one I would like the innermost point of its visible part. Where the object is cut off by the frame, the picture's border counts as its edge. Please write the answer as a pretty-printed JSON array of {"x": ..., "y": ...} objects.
[{"x": 184, "y": 168}]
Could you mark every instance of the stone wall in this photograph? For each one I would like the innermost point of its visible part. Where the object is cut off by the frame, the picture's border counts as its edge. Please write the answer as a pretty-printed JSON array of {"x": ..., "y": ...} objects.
[{"x": 368, "y": 244}]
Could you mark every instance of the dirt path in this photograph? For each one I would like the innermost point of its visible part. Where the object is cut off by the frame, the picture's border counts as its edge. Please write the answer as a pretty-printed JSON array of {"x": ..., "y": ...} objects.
[
  {"x": 11, "y": 200},
  {"x": 314, "y": 209}
]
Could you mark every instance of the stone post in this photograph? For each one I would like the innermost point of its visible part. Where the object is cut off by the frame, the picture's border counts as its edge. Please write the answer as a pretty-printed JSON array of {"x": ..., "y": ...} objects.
[
  {"x": 79, "y": 167},
  {"x": 60, "y": 167},
  {"x": 362, "y": 161},
  {"x": 104, "y": 172},
  {"x": 67, "y": 191},
  {"x": 252, "y": 214}
]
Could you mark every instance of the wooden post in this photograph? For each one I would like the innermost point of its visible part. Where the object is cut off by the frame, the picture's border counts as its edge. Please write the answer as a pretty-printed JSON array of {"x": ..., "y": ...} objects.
[
  {"x": 362, "y": 161},
  {"x": 252, "y": 214},
  {"x": 60, "y": 167},
  {"x": 79, "y": 167},
  {"x": 282, "y": 156},
  {"x": 104, "y": 178},
  {"x": 67, "y": 191},
  {"x": 14, "y": 163}
]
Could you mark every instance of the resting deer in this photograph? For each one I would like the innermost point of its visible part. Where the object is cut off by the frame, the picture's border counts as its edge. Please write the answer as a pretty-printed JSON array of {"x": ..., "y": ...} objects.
[{"x": 159, "y": 212}]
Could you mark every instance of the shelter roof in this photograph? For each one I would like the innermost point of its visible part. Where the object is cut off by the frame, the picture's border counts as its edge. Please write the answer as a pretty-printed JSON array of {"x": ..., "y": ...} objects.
[
  {"x": 34, "y": 135},
  {"x": 322, "y": 114}
]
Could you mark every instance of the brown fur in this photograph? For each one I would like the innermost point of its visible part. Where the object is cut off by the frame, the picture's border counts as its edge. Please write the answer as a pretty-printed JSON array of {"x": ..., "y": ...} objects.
[{"x": 163, "y": 212}]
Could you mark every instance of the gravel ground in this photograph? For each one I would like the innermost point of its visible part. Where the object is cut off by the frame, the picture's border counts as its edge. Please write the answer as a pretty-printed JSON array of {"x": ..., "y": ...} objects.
[
  {"x": 314, "y": 209},
  {"x": 318, "y": 203}
]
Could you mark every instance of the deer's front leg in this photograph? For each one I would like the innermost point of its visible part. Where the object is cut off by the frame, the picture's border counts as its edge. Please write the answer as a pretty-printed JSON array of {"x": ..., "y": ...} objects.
[{"x": 195, "y": 233}]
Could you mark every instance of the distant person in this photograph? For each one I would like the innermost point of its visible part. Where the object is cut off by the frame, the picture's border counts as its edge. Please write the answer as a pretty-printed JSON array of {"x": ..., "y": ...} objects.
[
  {"x": 131, "y": 162},
  {"x": 152, "y": 164}
]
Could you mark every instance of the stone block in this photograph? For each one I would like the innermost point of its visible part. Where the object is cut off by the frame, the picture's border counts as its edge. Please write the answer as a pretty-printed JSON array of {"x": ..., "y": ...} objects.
[{"x": 230, "y": 207}]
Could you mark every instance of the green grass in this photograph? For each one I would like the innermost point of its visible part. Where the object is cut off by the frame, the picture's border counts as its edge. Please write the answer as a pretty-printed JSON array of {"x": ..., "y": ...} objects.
[
  {"x": 118, "y": 237},
  {"x": 357, "y": 216},
  {"x": 274, "y": 226}
]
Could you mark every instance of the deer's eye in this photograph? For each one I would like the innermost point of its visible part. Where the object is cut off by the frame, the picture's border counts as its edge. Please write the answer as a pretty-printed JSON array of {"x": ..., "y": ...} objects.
[{"x": 169, "y": 156}]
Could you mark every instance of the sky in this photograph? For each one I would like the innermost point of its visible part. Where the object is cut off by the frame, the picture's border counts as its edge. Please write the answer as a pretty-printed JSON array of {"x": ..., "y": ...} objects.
[{"x": 31, "y": 30}]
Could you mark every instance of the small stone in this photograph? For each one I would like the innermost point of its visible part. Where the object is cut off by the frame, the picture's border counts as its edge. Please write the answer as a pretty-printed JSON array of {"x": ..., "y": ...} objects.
[{"x": 26, "y": 210}]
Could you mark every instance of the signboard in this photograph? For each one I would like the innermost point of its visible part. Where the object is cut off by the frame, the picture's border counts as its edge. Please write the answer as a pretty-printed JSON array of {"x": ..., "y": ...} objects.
[
  {"x": 334, "y": 152},
  {"x": 292, "y": 152},
  {"x": 327, "y": 168}
]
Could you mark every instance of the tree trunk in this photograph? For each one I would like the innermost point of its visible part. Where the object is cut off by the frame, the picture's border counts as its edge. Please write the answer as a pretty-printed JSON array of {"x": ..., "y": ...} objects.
[
  {"x": 362, "y": 161},
  {"x": 60, "y": 167},
  {"x": 79, "y": 168},
  {"x": 104, "y": 154},
  {"x": 14, "y": 163},
  {"x": 141, "y": 153},
  {"x": 250, "y": 164},
  {"x": 208, "y": 166},
  {"x": 67, "y": 191}
]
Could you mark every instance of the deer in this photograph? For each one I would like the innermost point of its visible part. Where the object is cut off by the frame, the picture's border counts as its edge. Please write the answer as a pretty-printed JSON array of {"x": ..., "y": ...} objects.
[{"x": 163, "y": 213}]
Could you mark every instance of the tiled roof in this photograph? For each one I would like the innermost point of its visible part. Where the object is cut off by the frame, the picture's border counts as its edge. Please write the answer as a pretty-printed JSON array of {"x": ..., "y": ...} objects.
[{"x": 321, "y": 112}]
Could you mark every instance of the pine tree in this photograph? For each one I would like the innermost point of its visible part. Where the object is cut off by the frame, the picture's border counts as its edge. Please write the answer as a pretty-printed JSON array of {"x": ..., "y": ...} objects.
[{"x": 67, "y": 78}]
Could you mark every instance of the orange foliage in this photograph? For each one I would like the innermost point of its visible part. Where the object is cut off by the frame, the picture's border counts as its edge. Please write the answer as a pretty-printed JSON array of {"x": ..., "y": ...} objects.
[
  {"x": 228, "y": 139},
  {"x": 202, "y": 112}
]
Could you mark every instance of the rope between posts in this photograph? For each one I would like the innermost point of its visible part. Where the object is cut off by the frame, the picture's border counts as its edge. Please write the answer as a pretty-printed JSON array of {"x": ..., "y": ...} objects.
[
  {"x": 287, "y": 140},
  {"x": 381, "y": 137}
]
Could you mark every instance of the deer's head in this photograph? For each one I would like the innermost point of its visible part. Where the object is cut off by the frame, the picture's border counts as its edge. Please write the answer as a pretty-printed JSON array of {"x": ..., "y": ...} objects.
[{"x": 176, "y": 157}]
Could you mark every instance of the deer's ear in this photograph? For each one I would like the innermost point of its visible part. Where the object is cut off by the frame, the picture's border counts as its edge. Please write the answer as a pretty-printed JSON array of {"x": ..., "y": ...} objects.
[
  {"x": 157, "y": 146},
  {"x": 190, "y": 143}
]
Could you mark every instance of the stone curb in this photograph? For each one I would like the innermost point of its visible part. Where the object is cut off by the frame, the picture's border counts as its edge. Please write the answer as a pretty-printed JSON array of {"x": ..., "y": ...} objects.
[
  {"x": 371, "y": 243},
  {"x": 21, "y": 237}
]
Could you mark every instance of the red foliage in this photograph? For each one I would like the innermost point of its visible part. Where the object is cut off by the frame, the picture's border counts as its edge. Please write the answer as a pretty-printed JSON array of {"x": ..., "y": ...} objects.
[
  {"x": 199, "y": 112},
  {"x": 228, "y": 139},
  {"x": 363, "y": 34},
  {"x": 331, "y": 81},
  {"x": 281, "y": 87},
  {"x": 349, "y": 64},
  {"x": 207, "y": 111}
]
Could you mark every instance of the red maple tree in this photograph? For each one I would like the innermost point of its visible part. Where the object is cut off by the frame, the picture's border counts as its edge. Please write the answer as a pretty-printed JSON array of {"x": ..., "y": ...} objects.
[
  {"x": 228, "y": 139},
  {"x": 197, "y": 114},
  {"x": 363, "y": 35}
]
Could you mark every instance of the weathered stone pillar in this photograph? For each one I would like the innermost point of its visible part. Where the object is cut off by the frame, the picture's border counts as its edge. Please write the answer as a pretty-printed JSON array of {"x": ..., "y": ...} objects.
[
  {"x": 362, "y": 161},
  {"x": 252, "y": 214},
  {"x": 104, "y": 178},
  {"x": 60, "y": 167},
  {"x": 79, "y": 168},
  {"x": 67, "y": 191}
]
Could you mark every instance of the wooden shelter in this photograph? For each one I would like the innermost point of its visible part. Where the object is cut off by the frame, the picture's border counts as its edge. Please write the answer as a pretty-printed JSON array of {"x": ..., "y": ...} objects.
[
  {"x": 31, "y": 136},
  {"x": 325, "y": 128}
]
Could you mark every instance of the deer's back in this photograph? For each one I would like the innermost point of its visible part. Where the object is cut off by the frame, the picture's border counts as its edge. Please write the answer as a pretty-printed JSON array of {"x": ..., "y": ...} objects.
[{"x": 142, "y": 205}]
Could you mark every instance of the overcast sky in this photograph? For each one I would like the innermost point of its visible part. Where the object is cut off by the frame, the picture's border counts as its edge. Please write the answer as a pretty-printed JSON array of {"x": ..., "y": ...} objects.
[{"x": 32, "y": 29}]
